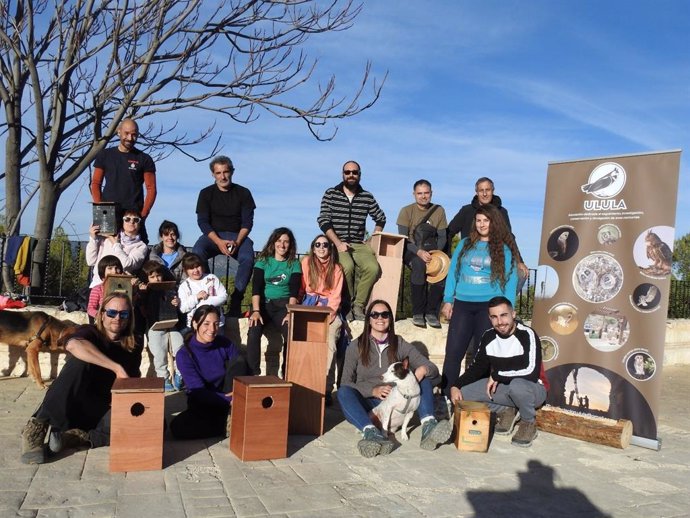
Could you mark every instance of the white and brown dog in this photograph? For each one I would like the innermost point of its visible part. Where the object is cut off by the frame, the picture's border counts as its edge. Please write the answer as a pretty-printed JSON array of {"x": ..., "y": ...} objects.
[{"x": 399, "y": 407}]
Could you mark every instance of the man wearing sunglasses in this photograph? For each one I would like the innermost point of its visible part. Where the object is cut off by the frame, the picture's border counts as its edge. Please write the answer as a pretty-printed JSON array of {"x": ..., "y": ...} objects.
[
  {"x": 76, "y": 407},
  {"x": 343, "y": 216},
  {"x": 126, "y": 171}
]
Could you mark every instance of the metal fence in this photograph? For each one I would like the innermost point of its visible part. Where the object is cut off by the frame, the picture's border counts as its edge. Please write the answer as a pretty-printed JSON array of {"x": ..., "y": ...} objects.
[{"x": 66, "y": 274}]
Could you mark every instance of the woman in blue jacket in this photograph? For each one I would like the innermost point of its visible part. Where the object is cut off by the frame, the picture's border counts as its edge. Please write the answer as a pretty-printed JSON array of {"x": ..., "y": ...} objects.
[{"x": 484, "y": 265}]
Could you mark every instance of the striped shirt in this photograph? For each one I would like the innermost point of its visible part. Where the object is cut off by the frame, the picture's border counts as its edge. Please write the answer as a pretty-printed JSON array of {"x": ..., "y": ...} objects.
[{"x": 348, "y": 219}]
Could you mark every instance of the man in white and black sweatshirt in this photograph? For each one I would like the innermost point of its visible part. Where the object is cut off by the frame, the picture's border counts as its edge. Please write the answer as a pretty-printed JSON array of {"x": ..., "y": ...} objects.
[{"x": 506, "y": 373}]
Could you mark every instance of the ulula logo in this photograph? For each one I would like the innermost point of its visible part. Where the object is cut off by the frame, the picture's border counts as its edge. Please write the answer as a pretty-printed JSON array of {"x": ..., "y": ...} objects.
[{"x": 606, "y": 180}]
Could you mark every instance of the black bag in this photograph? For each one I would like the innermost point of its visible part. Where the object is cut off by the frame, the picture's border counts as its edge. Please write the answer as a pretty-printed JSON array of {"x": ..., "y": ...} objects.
[{"x": 425, "y": 234}]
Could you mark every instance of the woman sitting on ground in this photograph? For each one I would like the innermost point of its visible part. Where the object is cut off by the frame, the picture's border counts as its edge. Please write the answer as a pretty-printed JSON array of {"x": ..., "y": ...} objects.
[
  {"x": 322, "y": 283},
  {"x": 77, "y": 404},
  {"x": 208, "y": 363},
  {"x": 366, "y": 359},
  {"x": 275, "y": 284}
]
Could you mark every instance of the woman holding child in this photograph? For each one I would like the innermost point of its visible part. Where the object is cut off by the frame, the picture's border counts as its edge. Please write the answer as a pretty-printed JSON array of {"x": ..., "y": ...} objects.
[
  {"x": 366, "y": 359},
  {"x": 276, "y": 282},
  {"x": 322, "y": 283},
  {"x": 484, "y": 265},
  {"x": 208, "y": 363}
]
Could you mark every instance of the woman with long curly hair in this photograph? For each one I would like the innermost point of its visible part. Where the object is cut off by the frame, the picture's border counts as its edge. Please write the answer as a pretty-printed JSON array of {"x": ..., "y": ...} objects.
[
  {"x": 366, "y": 359},
  {"x": 275, "y": 284},
  {"x": 484, "y": 265},
  {"x": 322, "y": 283}
]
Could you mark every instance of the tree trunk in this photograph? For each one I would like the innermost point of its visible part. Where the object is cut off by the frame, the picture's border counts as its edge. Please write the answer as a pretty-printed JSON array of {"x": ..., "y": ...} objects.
[
  {"x": 45, "y": 219},
  {"x": 13, "y": 197}
]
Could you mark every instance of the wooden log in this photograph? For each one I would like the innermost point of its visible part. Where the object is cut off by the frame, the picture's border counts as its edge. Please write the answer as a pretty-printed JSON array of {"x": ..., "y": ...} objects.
[{"x": 598, "y": 430}]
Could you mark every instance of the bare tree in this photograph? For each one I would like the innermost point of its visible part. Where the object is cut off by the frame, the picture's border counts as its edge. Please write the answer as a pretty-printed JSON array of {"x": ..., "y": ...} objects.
[{"x": 71, "y": 71}]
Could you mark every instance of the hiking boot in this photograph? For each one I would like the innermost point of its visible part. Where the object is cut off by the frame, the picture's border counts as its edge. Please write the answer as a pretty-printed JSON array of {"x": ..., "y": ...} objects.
[
  {"x": 358, "y": 313},
  {"x": 418, "y": 320},
  {"x": 435, "y": 433},
  {"x": 525, "y": 435},
  {"x": 33, "y": 436},
  {"x": 506, "y": 420},
  {"x": 373, "y": 443},
  {"x": 432, "y": 321},
  {"x": 74, "y": 438}
]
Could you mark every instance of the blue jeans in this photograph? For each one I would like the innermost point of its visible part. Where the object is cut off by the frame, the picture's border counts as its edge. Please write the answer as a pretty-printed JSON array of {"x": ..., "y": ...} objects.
[
  {"x": 356, "y": 407},
  {"x": 207, "y": 249},
  {"x": 469, "y": 319}
]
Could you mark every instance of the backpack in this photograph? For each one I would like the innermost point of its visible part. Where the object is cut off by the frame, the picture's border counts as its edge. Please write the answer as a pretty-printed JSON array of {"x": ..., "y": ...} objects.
[{"x": 425, "y": 234}]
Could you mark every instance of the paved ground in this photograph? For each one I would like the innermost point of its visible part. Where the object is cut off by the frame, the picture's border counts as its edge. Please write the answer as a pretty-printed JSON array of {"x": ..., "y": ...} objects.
[{"x": 327, "y": 477}]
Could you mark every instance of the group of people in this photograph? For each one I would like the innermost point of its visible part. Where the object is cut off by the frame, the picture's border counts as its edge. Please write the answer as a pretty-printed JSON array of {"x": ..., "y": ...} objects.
[{"x": 484, "y": 269}]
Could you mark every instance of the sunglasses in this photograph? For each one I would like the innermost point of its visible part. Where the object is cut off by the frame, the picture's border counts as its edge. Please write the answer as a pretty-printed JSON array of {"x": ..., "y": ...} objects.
[
  {"x": 380, "y": 314},
  {"x": 112, "y": 313},
  {"x": 322, "y": 244},
  {"x": 351, "y": 172},
  {"x": 131, "y": 219}
]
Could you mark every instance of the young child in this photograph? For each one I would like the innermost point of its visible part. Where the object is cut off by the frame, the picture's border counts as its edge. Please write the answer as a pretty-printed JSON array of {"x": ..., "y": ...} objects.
[
  {"x": 160, "y": 340},
  {"x": 108, "y": 265},
  {"x": 199, "y": 289}
]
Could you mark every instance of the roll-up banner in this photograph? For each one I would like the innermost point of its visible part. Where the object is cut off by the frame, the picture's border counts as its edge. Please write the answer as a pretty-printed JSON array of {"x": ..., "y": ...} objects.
[{"x": 602, "y": 287}]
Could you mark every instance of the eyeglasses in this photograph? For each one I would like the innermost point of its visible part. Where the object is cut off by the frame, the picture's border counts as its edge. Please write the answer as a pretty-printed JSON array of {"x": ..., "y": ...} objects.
[
  {"x": 131, "y": 219},
  {"x": 380, "y": 314},
  {"x": 322, "y": 244},
  {"x": 351, "y": 172},
  {"x": 112, "y": 313}
]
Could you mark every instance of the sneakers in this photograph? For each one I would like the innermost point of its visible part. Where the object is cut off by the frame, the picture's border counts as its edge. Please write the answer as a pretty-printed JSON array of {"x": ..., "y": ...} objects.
[
  {"x": 358, "y": 312},
  {"x": 74, "y": 438},
  {"x": 373, "y": 443},
  {"x": 33, "y": 436},
  {"x": 177, "y": 381},
  {"x": 435, "y": 433},
  {"x": 418, "y": 320},
  {"x": 525, "y": 435},
  {"x": 432, "y": 321},
  {"x": 506, "y": 420}
]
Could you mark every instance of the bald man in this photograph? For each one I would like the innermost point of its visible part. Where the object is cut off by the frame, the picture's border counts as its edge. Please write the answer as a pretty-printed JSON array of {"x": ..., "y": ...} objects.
[{"x": 126, "y": 171}]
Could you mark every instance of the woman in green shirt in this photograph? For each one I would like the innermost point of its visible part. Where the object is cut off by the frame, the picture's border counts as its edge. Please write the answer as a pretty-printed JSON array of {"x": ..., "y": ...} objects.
[{"x": 275, "y": 284}]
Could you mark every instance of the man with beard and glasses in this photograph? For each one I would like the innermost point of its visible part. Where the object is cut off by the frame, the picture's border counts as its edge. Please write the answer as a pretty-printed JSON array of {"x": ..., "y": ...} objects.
[{"x": 343, "y": 215}]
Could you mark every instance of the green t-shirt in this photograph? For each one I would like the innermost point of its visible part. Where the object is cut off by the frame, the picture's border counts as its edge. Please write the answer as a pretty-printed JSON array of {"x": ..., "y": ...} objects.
[{"x": 277, "y": 276}]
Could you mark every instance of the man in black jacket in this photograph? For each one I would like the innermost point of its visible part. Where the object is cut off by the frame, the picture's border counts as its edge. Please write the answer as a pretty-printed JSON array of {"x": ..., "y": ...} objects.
[
  {"x": 507, "y": 374},
  {"x": 462, "y": 222}
]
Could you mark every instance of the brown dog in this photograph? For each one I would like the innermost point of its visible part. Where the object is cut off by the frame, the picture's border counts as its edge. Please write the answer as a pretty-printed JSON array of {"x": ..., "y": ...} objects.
[{"x": 32, "y": 330}]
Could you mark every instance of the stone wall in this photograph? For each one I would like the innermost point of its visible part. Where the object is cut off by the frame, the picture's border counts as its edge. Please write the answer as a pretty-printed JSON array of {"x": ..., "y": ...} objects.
[{"x": 429, "y": 341}]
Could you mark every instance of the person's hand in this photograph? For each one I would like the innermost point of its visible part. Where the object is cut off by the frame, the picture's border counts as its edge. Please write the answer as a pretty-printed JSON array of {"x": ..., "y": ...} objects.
[
  {"x": 491, "y": 386},
  {"x": 255, "y": 319},
  {"x": 447, "y": 310},
  {"x": 424, "y": 255},
  {"x": 381, "y": 391},
  {"x": 342, "y": 247},
  {"x": 114, "y": 239},
  {"x": 120, "y": 372},
  {"x": 523, "y": 270},
  {"x": 93, "y": 231},
  {"x": 175, "y": 301},
  {"x": 202, "y": 295},
  {"x": 455, "y": 395},
  {"x": 286, "y": 319},
  {"x": 227, "y": 246}
]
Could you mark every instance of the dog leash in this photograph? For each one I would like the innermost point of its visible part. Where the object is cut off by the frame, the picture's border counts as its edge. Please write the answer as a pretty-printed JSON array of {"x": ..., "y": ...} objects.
[{"x": 37, "y": 336}]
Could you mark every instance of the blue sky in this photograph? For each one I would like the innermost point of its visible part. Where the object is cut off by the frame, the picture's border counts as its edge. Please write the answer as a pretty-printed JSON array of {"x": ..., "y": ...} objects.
[{"x": 480, "y": 88}]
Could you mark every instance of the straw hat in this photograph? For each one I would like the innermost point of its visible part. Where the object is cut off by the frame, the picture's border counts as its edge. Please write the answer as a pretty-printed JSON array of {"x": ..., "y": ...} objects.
[{"x": 437, "y": 268}]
